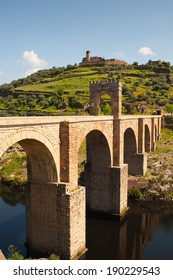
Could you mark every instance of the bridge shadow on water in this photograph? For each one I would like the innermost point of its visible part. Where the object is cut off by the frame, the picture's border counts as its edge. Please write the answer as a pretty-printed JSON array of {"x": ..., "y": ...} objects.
[{"x": 125, "y": 239}]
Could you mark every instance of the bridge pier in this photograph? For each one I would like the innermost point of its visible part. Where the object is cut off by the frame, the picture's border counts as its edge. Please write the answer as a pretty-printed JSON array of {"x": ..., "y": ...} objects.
[
  {"x": 106, "y": 193},
  {"x": 137, "y": 164},
  {"x": 119, "y": 185},
  {"x": 140, "y": 164},
  {"x": 55, "y": 220}
]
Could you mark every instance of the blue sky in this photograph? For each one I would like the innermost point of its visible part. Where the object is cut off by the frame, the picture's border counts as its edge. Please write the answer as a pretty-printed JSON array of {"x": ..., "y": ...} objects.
[{"x": 38, "y": 34}]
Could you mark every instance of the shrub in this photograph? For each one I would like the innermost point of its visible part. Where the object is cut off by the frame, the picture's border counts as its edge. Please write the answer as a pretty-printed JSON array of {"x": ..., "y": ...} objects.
[
  {"x": 135, "y": 193},
  {"x": 54, "y": 257},
  {"x": 14, "y": 254}
]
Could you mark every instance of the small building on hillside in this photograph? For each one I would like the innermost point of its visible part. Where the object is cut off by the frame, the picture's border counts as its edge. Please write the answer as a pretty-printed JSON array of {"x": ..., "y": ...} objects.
[{"x": 100, "y": 61}]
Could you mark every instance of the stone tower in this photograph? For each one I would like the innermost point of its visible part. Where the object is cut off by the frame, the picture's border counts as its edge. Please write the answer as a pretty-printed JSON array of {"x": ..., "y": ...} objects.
[
  {"x": 113, "y": 88},
  {"x": 88, "y": 56}
]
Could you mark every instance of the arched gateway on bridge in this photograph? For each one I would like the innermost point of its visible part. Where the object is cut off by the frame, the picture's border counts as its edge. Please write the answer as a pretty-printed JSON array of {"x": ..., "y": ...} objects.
[{"x": 55, "y": 204}]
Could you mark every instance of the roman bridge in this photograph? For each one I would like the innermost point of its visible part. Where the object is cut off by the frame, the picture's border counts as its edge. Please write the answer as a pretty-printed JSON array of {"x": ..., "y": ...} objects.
[{"x": 115, "y": 147}]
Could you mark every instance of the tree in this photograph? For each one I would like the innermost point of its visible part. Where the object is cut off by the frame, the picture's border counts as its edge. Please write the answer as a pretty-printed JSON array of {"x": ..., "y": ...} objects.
[
  {"x": 169, "y": 108},
  {"x": 32, "y": 104},
  {"x": 135, "y": 63}
]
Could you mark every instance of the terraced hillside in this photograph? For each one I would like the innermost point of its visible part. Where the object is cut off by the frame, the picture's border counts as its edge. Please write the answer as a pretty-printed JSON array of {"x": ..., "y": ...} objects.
[{"x": 60, "y": 91}]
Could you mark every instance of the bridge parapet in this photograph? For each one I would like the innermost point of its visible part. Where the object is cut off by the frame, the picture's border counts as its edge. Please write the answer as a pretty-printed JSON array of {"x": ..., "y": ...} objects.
[{"x": 96, "y": 84}]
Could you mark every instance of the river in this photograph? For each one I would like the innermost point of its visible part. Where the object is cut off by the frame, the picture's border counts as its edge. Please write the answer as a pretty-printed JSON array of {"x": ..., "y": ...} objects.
[{"x": 143, "y": 234}]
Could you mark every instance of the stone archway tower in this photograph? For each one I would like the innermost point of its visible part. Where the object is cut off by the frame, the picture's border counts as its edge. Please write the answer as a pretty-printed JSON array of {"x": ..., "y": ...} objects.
[{"x": 112, "y": 88}]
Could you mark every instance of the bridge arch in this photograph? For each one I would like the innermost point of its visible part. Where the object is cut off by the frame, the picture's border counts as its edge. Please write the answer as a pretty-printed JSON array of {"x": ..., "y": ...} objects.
[
  {"x": 98, "y": 89},
  {"x": 42, "y": 164},
  {"x": 130, "y": 149},
  {"x": 98, "y": 151},
  {"x": 97, "y": 171},
  {"x": 88, "y": 131},
  {"x": 147, "y": 139}
]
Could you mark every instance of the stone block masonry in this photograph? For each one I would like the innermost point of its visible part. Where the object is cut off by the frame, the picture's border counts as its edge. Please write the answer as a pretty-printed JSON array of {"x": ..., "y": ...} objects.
[
  {"x": 115, "y": 147},
  {"x": 55, "y": 220}
]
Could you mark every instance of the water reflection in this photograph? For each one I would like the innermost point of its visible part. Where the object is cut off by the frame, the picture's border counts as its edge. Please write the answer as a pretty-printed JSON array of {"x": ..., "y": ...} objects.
[
  {"x": 120, "y": 240},
  {"x": 12, "y": 226},
  {"x": 160, "y": 247},
  {"x": 142, "y": 234}
]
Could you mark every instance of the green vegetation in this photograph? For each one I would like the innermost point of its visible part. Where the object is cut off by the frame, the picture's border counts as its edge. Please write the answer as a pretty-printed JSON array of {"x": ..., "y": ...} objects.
[
  {"x": 14, "y": 254},
  {"x": 13, "y": 170},
  {"x": 135, "y": 193},
  {"x": 54, "y": 257},
  {"x": 165, "y": 145},
  {"x": 81, "y": 162},
  {"x": 60, "y": 91},
  {"x": 13, "y": 175},
  {"x": 157, "y": 184}
]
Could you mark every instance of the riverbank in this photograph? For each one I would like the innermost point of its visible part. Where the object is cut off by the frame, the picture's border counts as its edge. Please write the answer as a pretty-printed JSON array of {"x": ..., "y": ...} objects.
[
  {"x": 13, "y": 171},
  {"x": 12, "y": 194},
  {"x": 157, "y": 184}
]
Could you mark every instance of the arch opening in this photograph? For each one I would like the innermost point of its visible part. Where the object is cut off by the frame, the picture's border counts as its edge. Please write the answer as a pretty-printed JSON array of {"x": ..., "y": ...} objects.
[
  {"x": 130, "y": 150},
  {"x": 112, "y": 90},
  {"x": 13, "y": 175},
  {"x": 39, "y": 195},
  {"x": 41, "y": 165},
  {"x": 147, "y": 139},
  {"x": 41, "y": 160},
  {"x": 96, "y": 170},
  {"x": 104, "y": 106},
  {"x": 156, "y": 134}
]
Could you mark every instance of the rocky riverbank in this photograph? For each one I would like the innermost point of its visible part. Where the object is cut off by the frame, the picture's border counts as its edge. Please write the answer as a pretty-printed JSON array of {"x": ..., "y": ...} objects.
[{"x": 157, "y": 184}]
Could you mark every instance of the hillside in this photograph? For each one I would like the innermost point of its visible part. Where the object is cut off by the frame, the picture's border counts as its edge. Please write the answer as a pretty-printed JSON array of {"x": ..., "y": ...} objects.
[{"x": 62, "y": 90}]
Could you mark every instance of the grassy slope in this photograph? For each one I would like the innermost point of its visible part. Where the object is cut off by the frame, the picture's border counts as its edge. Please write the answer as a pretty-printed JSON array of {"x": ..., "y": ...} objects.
[{"x": 141, "y": 88}]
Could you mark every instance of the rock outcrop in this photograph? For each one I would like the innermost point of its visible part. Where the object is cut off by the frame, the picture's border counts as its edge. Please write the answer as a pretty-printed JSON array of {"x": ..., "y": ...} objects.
[{"x": 2, "y": 257}]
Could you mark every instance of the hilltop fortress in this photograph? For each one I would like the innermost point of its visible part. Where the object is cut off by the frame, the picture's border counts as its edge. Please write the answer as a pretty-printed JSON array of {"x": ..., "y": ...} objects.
[{"x": 97, "y": 60}]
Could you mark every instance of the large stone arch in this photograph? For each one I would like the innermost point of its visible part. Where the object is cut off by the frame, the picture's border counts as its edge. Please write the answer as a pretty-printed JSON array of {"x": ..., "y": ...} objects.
[
  {"x": 113, "y": 89},
  {"x": 42, "y": 163},
  {"x": 130, "y": 149},
  {"x": 106, "y": 133},
  {"x": 137, "y": 162},
  {"x": 147, "y": 139},
  {"x": 42, "y": 194},
  {"x": 97, "y": 172}
]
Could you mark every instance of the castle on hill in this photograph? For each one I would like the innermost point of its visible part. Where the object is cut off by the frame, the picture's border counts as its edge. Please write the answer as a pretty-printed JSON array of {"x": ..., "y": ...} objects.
[{"x": 97, "y": 60}]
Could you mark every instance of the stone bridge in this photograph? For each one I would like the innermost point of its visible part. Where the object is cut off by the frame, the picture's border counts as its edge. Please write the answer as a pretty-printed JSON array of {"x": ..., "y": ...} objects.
[{"x": 115, "y": 146}]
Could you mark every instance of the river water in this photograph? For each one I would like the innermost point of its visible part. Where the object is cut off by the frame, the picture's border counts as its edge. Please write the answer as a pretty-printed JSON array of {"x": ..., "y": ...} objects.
[{"x": 143, "y": 234}]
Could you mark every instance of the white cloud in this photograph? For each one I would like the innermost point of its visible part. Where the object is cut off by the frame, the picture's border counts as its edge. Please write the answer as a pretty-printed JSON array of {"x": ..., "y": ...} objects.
[
  {"x": 120, "y": 54},
  {"x": 31, "y": 71},
  {"x": 146, "y": 51},
  {"x": 30, "y": 58}
]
